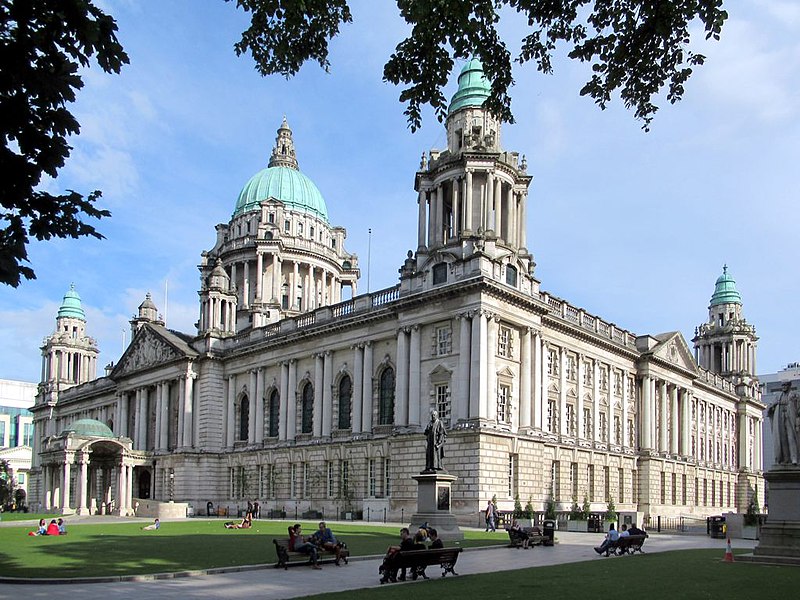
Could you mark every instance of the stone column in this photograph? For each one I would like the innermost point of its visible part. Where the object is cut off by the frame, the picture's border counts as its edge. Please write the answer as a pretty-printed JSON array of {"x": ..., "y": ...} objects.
[
  {"x": 319, "y": 367},
  {"x": 230, "y": 434},
  {"x": 432, "y": 218},
  {"x": 626, "y": 393},
  {"x": 259, "y": 417},
  {"x": 283, "y": 402},
  {"x": 490, "y": 215},
  {"x": 414, "y": 393},
  {"x": 123, "y": 400},
  {"x": 579, "y": 404},
  {"x": 366, "y": 400},
  {"x": 65, "y": 485},
  {"x": 327, "y": 396},
  {"x": 358, "y": 381},
  {"x": 276, "y": 279},
  {"x": 461, "y": 380},
  {"x": 259, "y": 275},
  {"x": 181, "y": 410},
  {"x": 83, "y": 477},
  {"x": 468, "y": 204},
  {"x": 401, "y": 385},
  {"x": 477, "y": 379},
  {"x": 122, "y": 486},
  {"x": 489, "y": 407},
  {"x": 291, "y": 410},
  {"x": 562, "y": 392},
  {"x": 674, "y": 421},
  {"x": 525, "y": 378},
  {"x": 539, "y": 389},
  {"x": 645, "y": 416},
  {"x": 158, "y": 400},
  {"x": 246, "y": 285},
  {"x": 188, "y": 410},
  {"x": 421, "y": 221},
  {"x": 440, "y": 236},
  {"x": 163, "y": 436},
  {"x": 455, "y": 186},
  {"x": 293, "y": 287}
]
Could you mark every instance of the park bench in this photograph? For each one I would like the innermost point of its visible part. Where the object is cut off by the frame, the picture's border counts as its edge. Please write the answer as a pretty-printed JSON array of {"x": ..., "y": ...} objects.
[
  {"x": 628, "y": 544},
  {"x": 287, "y": 557},
  {"x": 417, "y": 560},
  {"x": 518, "y": 537}
]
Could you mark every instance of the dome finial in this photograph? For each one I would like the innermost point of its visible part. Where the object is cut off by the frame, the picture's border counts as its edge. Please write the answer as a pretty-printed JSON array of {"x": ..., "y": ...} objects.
[
  {"x": 283, "y": 154},
  {"x": 725, "y": 291}
]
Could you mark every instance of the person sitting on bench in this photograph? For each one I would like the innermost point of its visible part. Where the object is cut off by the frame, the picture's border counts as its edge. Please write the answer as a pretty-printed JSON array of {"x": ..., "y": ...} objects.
[
  {"x": 611, "y": 538},
  {"x": 435, "y": 541},
  {"x": 297, "y": 543},
  {"x": 323, "y": 538}
]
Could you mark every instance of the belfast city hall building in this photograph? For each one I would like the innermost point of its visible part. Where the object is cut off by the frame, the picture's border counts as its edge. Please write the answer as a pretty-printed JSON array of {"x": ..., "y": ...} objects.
[{"x": 304, "y": 395}]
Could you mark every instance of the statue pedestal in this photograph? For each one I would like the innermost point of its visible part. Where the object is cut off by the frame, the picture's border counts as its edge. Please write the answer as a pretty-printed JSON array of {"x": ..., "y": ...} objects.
[
  {"x": 780, "y": 535},
  {"x": 433, "y": 505}
]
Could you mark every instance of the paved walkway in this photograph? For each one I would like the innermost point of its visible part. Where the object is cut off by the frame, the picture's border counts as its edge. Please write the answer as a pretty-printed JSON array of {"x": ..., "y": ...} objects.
[{"x": 269, "y": 584}]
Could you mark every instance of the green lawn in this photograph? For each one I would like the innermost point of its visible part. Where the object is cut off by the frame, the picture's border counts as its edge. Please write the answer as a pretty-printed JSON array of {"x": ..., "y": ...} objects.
[
  {"x": 23, "y": 516},
  {"x": 123, "y": 548},
  {"x": 677, "y": 575}
]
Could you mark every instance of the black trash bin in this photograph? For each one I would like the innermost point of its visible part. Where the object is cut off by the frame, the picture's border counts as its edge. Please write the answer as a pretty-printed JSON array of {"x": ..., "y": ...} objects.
[
  {"x": 549, "y": 532},
  {"x": 596, "y": 522},
  {"x": 715, "y": 527}
]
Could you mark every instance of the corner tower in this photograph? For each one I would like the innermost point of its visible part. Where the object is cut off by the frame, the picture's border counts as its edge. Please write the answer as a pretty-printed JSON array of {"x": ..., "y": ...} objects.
[
  {"x": 472, "y": 200},
  {"x": 69, "y": 356}
]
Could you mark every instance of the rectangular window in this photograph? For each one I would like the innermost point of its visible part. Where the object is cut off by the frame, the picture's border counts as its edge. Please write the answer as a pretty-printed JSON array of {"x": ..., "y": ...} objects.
[
  {"x": 504, "y": 342},
  {"x": 503, "y": 404},
  {"x": 552, "y": 416},
  {"x": 607, "y": 482},
  {"x": 617, "y": 383},
  {"x": 617, "y": 430},
  {"x": 552, "y": 362},
  {"x": 387, "y": 477},
  {"x": 572, "y": 369},
  {"x": 587, "y": 423},
  {"x": 287, "y": 226},
  {"x": 271, "y": 218},
  {"x": 372, "y": 481},
  {"x": 293, "y": 481},
  {"x": 442, "y": 392},
  {"x": 439, "y": 273},
  {"x": 729, "y": 493},
  {"x": 603, "y": 427},
  {"x": 573, "y": 480},
  {"x": 621, "y": 485},
  {"x": 721, "y": 497},
  {"x": 512, "y": 475},
  {"x": 663, "y": 488},
  {"x": 603, "y": 379},
  {"x": 705, "y": 492},
  {"x": 443, "y": 343},
  {"x": 571, "y": 422},
  {"x": 631, "y": 434},
  {"x": 261, "y": 483},
  {"x": 554, "y": 475},
  {"x": 21, "y": 478},
  {"x": 344, "y": 479},
  {"x": 331, "y": 480},
  {"x": 4, "y": 442},
  {"x": 306, "y": 486},
  {"x": 683, "y": 489},
  {"x": 587, "y": 373},
  {"x": 674, "y": 488},
  {"x": 300, "y": 229},
  {"x": 590, "y": 477}
]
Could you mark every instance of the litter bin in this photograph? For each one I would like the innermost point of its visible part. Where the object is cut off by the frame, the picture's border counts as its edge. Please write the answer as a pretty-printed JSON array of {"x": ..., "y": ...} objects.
[
  {"x": 549, "y": 532},
  {"x": 596, "y": 523},
  {"x": 715, "y": 526}
]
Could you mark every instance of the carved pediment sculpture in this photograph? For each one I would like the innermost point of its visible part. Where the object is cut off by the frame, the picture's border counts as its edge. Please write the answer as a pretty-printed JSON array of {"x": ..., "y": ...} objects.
[{"x": 149, "y": 350}]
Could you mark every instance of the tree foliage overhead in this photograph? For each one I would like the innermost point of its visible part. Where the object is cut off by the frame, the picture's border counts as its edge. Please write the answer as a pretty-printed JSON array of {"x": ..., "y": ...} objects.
[
  {"x": 636, "y": 48},
  {"x": 43, "y": 44}
]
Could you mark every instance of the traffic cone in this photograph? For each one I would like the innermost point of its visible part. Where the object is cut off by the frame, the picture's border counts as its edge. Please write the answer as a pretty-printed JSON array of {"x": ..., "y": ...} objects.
[{"x": 728, "y": 552}]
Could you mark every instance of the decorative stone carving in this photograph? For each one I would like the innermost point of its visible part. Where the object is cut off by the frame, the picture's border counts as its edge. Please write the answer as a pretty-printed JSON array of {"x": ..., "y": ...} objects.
[{"x": 148, "y": 352}]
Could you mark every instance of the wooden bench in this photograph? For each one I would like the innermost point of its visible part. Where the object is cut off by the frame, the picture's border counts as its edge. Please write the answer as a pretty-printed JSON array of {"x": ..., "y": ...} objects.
[
  {"x": 518, "y": 537},
  {"x": 628, "y": 544},
  {"x": 287, "y": 557},
  {"x": 416, "y": 561}
]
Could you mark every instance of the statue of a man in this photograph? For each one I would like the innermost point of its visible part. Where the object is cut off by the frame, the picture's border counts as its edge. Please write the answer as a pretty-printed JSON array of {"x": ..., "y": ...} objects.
[
  {"x": 785, "y": 425},
  {"x": 436, "y": 435}
]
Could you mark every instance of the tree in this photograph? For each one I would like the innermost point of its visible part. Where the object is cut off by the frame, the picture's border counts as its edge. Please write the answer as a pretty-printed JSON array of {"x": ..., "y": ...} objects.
[
  {"x": 42, "y": 46},
  {"x": 518, "y": 512},
  {"x": 611, "y": 510},
  {"x": 7, "y": 484},
  {"x": 636, "y": 48}
]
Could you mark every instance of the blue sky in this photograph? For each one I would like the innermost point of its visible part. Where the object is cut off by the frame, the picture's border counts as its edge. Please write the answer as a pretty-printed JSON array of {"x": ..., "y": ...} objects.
[{"x": 631, "y": 226}]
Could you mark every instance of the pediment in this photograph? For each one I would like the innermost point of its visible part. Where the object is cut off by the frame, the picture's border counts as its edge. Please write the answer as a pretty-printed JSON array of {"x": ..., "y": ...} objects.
[
  {"x": 673, "y": 349},
  {"x": 147, "y": 350}
]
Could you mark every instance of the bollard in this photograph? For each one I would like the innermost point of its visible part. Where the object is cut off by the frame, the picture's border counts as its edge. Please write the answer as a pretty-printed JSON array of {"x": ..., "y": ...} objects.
[
  {"x": 368, "y": 514},
  {"x": 384, "y": 514},
  {"x": 658, "y": 523},
  {"x": 402, "y": 515}
]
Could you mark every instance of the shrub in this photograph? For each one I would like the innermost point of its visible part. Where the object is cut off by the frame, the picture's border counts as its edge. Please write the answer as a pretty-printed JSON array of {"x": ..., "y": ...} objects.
[
  {"x": 550, "y": 508},
  {"x": 611, "y": 510},
  {"x": 751, "y": 516}
]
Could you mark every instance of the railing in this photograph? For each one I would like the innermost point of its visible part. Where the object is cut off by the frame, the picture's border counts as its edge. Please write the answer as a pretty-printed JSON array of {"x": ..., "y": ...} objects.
[
  {"x": 385, "y": 296},
  {"x": 344, "y": 308},
  {"x": 306, "y": 320},
  {"x": 564, "y": 310}
]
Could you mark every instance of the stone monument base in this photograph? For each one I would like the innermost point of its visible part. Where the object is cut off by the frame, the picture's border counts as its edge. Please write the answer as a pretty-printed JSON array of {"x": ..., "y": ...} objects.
[
  {"x": 780, "y": 535},
  {"x": 433, "y": 506}
]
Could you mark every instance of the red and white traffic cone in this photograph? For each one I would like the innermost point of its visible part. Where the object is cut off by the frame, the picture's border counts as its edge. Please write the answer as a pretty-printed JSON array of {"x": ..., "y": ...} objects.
[{"x": 728, "y": 552}]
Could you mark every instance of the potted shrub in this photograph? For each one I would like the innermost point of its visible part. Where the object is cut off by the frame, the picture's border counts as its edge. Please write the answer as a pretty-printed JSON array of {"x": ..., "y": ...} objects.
[
  {"x": 750, "y": 521},
  {"x": 577, "y": 517}
]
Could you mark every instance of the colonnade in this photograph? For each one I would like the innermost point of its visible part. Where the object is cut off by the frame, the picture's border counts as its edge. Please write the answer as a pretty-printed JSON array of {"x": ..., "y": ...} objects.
[
  {"x": 478, "y": 198},
  {"x": 158, "y": 434},
  {"x": 73, "y": 366},
  {"x": 97, "y": 487},
  {"x": 722, "y": 357}
]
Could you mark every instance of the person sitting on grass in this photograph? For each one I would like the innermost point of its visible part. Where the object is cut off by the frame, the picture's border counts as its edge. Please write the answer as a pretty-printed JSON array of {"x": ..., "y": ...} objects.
[
  {"x": 323, "y": 538},
  {"x": 152, "y": 527},
  {"x": 297, "y": 543},
  {"x": 52, "y": 529},
  {"x": 245, "y": 523},
  {"x": 62, "y": 527}
]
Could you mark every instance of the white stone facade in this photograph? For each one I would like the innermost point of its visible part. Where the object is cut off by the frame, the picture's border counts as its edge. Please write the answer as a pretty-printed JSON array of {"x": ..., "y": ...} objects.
[{"x": 308, "y": 401}]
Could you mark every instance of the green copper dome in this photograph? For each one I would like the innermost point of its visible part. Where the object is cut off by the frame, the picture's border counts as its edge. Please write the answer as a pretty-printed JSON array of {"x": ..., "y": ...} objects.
[
  {"x": 725, "y": 290},
  {"x": 283, "y": 181},
  {"x": 286, "y": 184},
  {"x": 473, "y": 87},
  {"x": 71, "y": 305},
  {"x": 91, "y": 428}
]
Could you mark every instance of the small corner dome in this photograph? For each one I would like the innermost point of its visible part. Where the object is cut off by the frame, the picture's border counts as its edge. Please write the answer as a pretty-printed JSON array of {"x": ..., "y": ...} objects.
[
  {"x": 473, "y": 87},
  {"x": 725, "y": 291},
  {"x": 90, "y": 428},
  {"x": 286, "y": 184},
  {"x": 71, "y": 306}
]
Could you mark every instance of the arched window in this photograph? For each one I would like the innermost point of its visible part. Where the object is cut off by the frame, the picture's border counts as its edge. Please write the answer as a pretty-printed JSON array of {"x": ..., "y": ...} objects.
[
  {"x": 244, "y": 418},
  {"x": 386, "y": 400},
  {"x": 274, "y": 413},
  {"x": 307, "y": 423},
  {"x": 345, "y": 398}
]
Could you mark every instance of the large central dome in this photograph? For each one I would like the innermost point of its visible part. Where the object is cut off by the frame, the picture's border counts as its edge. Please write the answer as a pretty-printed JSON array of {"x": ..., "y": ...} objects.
[{"x": 282, "y": 180}]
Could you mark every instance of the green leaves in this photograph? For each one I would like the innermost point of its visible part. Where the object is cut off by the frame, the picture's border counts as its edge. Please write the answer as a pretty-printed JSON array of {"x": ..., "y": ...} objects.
[
  {"x": 635, "y": 48},
  {"x": 42, "y": 46}
]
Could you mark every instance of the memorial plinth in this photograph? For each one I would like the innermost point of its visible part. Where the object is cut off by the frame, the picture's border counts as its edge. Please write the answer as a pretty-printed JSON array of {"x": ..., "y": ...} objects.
[
  {"x": 433, "y": 505},
  {"x": 780, "y": 535}
]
